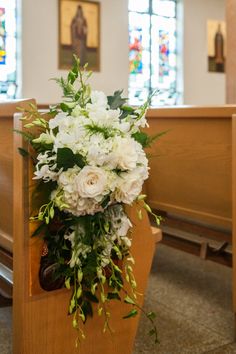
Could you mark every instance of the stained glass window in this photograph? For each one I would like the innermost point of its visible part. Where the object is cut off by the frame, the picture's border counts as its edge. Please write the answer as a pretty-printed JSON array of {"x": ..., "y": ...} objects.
[
  {"x": 7, "y": 49},
  {"x": 152, "y": 51}
]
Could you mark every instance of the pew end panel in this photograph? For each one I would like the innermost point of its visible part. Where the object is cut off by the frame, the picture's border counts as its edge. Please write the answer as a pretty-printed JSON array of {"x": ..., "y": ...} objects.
[{"x": 40, "y": 320}]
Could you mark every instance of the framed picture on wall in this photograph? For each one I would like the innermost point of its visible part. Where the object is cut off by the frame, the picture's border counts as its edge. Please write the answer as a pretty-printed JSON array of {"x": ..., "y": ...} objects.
[
  {"x": 216, "y": 43},
  {"x": 79, "y": 33}
]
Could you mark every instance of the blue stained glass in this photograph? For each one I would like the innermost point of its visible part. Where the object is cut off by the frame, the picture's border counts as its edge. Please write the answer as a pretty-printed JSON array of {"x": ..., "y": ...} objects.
[
  {"x": 152, "y": 52},
  {"x": 7, "y": 49},
  {"x": 2, "y": 37},
  {"x": 139, "y": 56}
]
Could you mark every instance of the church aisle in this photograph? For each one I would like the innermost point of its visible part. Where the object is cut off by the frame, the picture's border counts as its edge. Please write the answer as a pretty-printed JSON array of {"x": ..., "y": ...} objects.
[{"x": 192, "y": 299}]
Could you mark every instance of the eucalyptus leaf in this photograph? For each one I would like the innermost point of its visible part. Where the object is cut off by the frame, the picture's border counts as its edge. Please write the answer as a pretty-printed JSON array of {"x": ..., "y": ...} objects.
[{"x": 116, "y": 101}]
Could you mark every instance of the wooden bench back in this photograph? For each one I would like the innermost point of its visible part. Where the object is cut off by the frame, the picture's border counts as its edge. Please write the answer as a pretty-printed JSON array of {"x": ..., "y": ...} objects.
[
  {"x": 7, "y": 111},
  {"x": 191, "y": 166}
]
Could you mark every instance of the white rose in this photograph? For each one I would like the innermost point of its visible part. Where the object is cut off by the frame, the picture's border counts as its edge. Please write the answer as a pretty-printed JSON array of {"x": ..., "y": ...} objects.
[
  {"x": 125, "y": 152},
  {"x": 128, "y": 188},
  {"x": 91, "y": 182}
]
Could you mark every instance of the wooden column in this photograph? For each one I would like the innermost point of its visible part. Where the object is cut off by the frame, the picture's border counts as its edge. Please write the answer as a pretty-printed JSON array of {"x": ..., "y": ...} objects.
[{"x": 231, "y": 52}]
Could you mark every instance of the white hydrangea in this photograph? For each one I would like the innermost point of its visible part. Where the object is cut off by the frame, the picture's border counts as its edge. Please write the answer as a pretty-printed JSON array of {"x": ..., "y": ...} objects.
[
  {"x": 129, "y": 186},
  {"x": 99, "y": 99}
]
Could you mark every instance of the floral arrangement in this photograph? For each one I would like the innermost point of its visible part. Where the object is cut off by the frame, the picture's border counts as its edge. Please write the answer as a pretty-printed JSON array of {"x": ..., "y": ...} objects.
[{"x": 89, "y": 163}]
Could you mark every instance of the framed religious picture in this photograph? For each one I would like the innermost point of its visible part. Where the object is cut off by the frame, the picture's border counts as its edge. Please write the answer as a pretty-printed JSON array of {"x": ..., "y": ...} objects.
[
  {"x": 216, "y": 43},
  {"x": 79, "y": 33}
]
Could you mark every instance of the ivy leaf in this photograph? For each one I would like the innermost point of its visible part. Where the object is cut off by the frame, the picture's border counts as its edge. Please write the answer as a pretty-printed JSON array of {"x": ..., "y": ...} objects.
[
  {"x": 67, "y": 159},
  {"x": 116, "y": 100},
  {"x": 91, "y": 297},
  {"x": 132, "y": 313}
]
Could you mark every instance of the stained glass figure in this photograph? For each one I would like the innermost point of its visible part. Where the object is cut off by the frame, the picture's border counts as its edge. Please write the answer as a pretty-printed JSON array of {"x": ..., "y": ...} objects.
[
  {"x": 152, "y": 51},
  {"x": 7, "y": 49},
  {"x": 2, "y": 37}
]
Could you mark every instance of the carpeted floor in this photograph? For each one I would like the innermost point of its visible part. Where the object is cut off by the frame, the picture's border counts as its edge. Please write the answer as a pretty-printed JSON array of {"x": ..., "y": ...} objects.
[{"x": 192, "y": 299}]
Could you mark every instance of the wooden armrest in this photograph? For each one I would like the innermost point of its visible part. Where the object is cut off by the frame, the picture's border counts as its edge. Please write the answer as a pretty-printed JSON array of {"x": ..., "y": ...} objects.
[{"x": 157, "y": 233}]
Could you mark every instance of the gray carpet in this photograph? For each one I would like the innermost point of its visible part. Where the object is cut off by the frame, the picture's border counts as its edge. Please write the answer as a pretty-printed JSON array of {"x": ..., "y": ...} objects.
[{"x": 192, "y": 299}]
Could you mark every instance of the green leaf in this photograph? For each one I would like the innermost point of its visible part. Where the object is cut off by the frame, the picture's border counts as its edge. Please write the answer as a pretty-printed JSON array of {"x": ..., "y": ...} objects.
[
  {"x": 128, "y": 300},
  {"x": 23, "y": 152},
  {"x": 145, "y": 140},
  {"x": 116, "y": 100},
  {"x": 132, "y": 313},
  {"x": 87, "y": 309},
  {"x": 27, "y": 136},
  {"x": 91, "y": 297},
  {"x": 151, "y": 315},
  {"x": 111, "y": 296},
  {"x": 105, "y": 201},
  {"x": 67, "y": 283},
  {"x": 38, "y": 230},
  {"x": 79, "y": 160},
  {"x": 142, "y": 138},
  {"x": 126, "y": 110},
  {"x": 64, "y": 107},
  {"x": 67, "y": 159}
]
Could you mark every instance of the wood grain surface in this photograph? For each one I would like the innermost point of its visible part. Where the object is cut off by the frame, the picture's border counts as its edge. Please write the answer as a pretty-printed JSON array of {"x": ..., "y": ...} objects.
[
  {"x": 191, "y": 165},
  {"x": 231, "y": 51},
  {"x": 6, "y": 171}
]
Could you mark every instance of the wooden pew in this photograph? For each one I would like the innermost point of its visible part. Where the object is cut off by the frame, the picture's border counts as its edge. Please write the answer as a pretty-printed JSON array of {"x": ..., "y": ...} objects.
[
  {"x": 191, "y": 166},
  {"x": 6, "y": 193},
  {"x": 193, "y": 170}
]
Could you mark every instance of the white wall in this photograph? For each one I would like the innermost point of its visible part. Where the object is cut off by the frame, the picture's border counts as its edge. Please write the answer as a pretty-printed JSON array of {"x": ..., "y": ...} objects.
[
  {"x": 40, "y": 49},
  {"x": 200, "y": 86}
]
